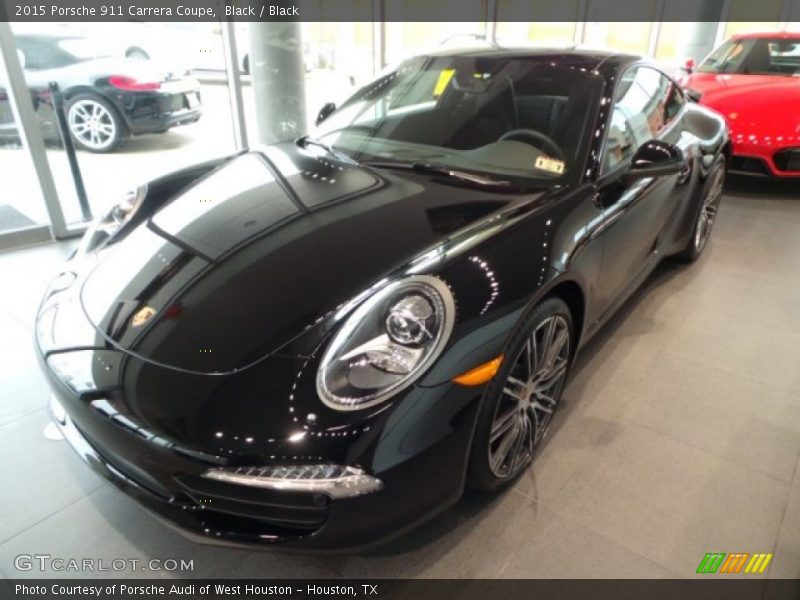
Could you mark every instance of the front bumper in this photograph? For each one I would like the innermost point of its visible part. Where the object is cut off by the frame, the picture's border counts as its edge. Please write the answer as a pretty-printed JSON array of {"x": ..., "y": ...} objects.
[
  {"x": 421, "y": 466},
  {"x": 752, "y": 157},
  {"x": 215, "y": 513},
  {"x": 154, "y": 431}
]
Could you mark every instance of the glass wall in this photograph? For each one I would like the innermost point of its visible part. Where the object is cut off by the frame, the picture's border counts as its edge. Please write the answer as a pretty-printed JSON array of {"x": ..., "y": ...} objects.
[
  {"x": 406, "y": 39},
  {"x": 337, "y": 58},
  {"x": 747, "y": 16},
  {"x": 21, "y": 204},
  {"x": 523, "y": 22},
  {"x": 139, "y": 100},
  {"x": 142, "y": 99},
  {"x": 625, "y": 37}
]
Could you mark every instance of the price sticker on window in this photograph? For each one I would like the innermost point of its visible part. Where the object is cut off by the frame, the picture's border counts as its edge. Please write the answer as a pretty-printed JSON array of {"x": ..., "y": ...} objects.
[
  {"x": 444, "y": 78},
  {"x": 547, "y": 163}
]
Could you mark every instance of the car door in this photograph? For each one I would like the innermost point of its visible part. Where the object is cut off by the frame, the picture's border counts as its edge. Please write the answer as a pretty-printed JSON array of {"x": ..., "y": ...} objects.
[{"x": 647, "y": 105}]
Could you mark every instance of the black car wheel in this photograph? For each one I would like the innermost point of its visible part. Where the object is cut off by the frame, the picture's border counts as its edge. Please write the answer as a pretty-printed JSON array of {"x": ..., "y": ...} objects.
[
  {"x": 94, "y": 123},
  {"x": 520, "y": 401},
  {"x": 704, "y": 223}
]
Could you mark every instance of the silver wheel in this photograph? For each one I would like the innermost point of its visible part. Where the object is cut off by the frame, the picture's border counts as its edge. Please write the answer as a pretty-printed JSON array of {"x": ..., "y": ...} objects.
[
  {"x": 708, "y": 212},
  {"x": 92, "y": 124},
  {"x": 529, "y": 397}
]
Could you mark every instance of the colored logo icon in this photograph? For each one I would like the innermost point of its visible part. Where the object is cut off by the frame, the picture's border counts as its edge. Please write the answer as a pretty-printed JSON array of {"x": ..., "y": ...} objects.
[{"x": 736, "y": 562}]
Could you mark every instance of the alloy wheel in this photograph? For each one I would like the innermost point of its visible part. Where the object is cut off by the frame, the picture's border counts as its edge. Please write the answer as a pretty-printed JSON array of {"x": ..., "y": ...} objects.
[
  {"x": 92, "y": 124},
  {"x": 529, "y": 397},
  {"x": 708, "y": 212}
]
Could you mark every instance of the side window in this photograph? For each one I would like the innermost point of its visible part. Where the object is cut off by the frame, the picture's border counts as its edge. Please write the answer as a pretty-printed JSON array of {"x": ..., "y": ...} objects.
[
  {"x": 41, "y": 55},
  {"x": 35, "y": 54},
  {"x": 675, "y": 101},
  {"x": 646, "y": 102}
]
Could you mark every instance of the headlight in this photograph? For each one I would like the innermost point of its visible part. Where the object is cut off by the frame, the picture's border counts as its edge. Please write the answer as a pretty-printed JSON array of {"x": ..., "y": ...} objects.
[
  {"x": 387, "y": 343},
  {"x": 111, "y": 222}
]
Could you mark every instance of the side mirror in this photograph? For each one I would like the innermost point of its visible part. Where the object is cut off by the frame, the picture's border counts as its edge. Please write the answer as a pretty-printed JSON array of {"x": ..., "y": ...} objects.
[
  {"x": 325, "y": 112},
  {"x": 693, "y": 95},
  {"x": 21, "y": 57},
  {"x": 655, "y": 159},
  {"x": 688, "y": 66}
]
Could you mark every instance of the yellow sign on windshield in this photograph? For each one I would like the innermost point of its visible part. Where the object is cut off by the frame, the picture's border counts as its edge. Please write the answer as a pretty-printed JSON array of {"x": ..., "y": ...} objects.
[{"x": 444, "y": 78}]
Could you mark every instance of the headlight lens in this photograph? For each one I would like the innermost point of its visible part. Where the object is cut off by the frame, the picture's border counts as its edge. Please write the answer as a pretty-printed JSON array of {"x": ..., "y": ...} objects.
[
  {"x": 387, "y": 343},
  {"x": 110, "y": 223}
]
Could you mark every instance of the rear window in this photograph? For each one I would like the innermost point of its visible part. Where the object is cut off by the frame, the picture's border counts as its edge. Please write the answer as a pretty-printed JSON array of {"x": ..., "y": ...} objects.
[{"x": 84, "y": 49}]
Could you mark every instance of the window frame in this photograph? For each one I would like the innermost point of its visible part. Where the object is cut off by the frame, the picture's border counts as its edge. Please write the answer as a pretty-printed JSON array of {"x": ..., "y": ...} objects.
[{"x": 604, "y": 172}]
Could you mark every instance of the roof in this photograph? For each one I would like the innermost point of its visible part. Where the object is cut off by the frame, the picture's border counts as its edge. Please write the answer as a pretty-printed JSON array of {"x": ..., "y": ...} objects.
[
  {"x": 48, "y": 37},
  {"x": 780, "y": 35},
  {"x": 571, "y": 55}
]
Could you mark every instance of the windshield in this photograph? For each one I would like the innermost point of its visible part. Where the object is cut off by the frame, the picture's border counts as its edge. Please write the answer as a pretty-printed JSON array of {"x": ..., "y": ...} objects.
[
  {"x": 762, "y": 56},
  {"x": 514, "y": 117}
]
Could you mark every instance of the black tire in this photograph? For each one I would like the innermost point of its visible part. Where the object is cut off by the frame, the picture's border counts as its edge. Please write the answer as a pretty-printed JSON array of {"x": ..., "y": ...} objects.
[
  {"x": 484, "y": 473},
  {"x": 708, "y": 206},
  {"x": 110, "y": 129}
]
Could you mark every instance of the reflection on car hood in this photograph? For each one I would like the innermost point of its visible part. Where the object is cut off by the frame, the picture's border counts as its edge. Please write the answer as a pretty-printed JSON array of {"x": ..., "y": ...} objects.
[{"x": 260, "y": 249}]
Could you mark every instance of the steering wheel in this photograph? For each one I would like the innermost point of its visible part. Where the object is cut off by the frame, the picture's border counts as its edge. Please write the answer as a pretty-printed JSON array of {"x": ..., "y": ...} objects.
[{"x": 531, "y": 136}]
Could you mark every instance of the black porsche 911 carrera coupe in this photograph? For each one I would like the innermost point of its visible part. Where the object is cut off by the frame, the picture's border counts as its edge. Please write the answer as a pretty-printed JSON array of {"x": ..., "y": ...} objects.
[
  {"x": 106, "y": 99},
  {"x": 321, "y": 342}
]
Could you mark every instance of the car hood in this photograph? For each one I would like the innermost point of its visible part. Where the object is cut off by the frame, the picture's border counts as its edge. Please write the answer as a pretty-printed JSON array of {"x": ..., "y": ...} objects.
[
  {"x": 255, "y": 253},
  {"x": 762, "y": 104}
]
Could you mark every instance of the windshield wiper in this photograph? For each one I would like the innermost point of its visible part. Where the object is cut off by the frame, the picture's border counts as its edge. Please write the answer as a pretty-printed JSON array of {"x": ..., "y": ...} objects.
[
  {"x": 426, "y": 167},
  {"x": 306, "y": 140}
]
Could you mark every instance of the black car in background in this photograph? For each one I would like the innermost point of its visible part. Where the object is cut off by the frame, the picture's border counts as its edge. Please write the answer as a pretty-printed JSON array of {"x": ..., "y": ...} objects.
[
  {"x": 323, "y": 341},
  {"x": 106, "y": 98}
]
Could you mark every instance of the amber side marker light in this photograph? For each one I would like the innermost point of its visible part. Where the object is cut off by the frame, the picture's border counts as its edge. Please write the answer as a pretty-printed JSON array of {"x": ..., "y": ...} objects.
[{"x": 480, "y": 374}]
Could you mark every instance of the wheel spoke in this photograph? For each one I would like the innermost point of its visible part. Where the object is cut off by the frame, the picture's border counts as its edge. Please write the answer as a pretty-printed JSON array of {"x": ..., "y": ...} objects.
[
  {"x": 503, "y": 424},
  {"x": 547, "y": 342},
  {"x": 518, "y": 453},
  {"x": 551, "y": 377},
  {"x": 556, "y": 346},
  {"x": 516, "y": 389},
  {"x": 544, "y": 403},
  {"x": 530, "y": 355},
  {"x": 504, "y": 448}
]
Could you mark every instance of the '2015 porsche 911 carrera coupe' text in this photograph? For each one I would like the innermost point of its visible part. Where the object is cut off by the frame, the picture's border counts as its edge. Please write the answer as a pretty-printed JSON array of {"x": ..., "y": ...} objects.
[{"x": 322, "y": 341}]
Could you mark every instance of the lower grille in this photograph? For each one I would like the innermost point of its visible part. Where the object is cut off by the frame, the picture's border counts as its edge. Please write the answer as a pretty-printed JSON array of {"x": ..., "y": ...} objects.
[
  {"x": 746, "y": 164},
  {"x": 788, "y": 159},
  {"x": 288, "y": 510}
]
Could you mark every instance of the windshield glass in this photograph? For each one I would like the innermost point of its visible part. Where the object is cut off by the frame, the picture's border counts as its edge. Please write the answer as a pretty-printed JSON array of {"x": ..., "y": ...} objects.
[
  {"x": 762, "y": 56},
  {"x": 514, "y": 117}
]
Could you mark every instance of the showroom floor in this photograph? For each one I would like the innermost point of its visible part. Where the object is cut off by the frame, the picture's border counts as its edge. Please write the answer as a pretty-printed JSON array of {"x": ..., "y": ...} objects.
[{"x": 680, "y": 435}]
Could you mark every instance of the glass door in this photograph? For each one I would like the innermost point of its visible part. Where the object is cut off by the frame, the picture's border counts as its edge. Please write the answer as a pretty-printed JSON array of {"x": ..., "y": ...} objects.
[{"x": 24, "y": 218}]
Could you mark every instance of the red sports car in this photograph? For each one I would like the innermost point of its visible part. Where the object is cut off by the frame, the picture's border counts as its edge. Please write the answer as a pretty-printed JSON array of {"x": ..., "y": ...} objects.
[{"x": 753, "y": 80}]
